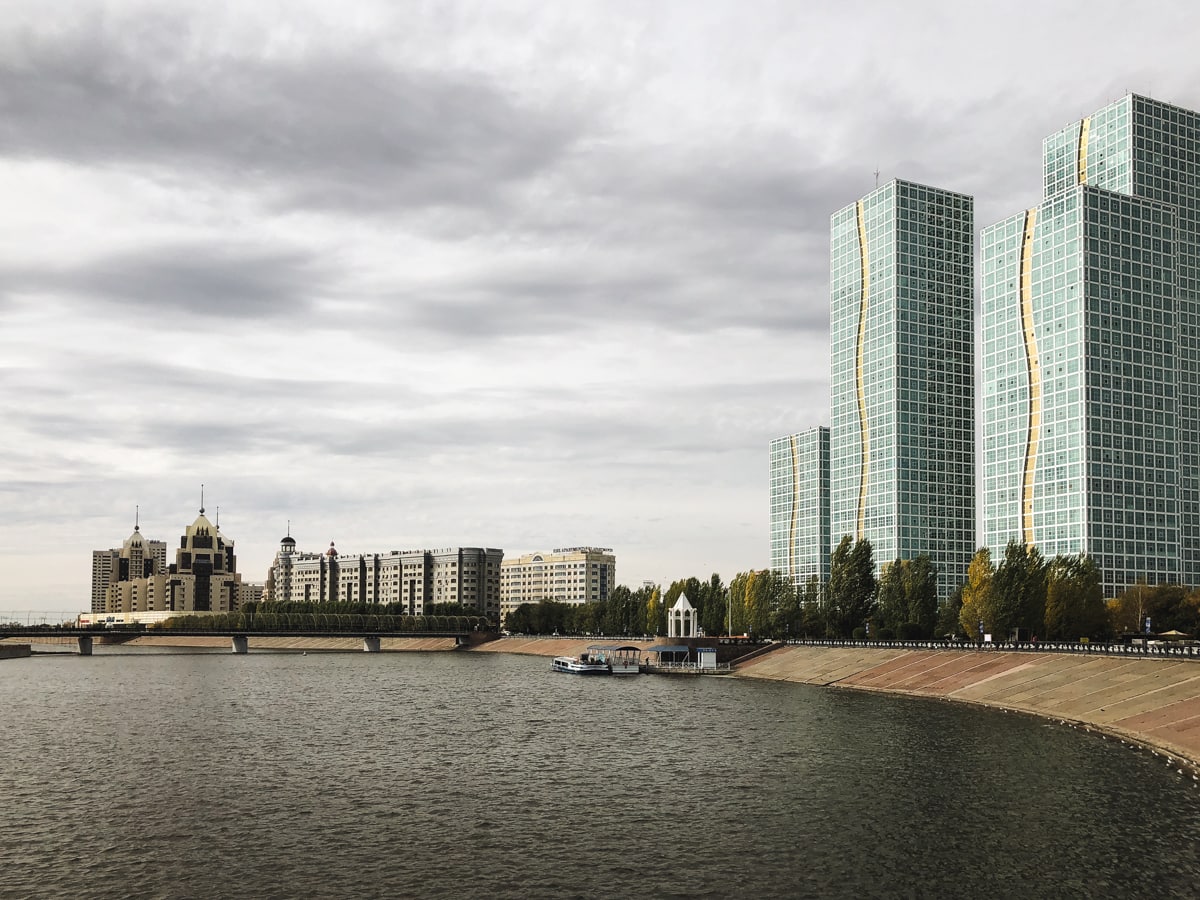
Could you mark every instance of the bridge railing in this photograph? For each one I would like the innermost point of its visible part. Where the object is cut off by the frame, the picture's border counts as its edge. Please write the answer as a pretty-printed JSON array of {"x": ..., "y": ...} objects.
[{"x": 323, "y": 622}]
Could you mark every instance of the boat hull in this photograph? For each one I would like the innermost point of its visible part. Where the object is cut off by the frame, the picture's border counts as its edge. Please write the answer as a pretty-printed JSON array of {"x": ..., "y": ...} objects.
[{"x": 574, "y": 666}]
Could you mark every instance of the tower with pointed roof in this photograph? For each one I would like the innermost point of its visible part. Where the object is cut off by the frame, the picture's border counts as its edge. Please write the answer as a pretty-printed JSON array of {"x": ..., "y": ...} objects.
[
  {"x": 202, "y": 579},
  {"x": 117, "y": 571}
]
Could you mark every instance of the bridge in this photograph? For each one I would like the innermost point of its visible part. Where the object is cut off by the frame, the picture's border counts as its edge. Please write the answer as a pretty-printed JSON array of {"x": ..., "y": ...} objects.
[{"x": 239, "y": 638}]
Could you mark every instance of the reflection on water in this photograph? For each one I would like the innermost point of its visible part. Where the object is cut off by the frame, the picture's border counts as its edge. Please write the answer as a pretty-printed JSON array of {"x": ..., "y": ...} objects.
[{"x": 144, "y": 773}]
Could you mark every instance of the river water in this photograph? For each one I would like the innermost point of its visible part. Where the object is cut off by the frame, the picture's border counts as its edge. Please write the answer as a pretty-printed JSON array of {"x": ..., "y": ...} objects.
[{"x": 156, "y": 774}]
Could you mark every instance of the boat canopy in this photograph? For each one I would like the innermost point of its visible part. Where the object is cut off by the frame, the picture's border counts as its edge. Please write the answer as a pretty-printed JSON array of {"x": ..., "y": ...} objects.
[
  {"x": 671, "y": 653},
  {"x": 616, "y": 648}
]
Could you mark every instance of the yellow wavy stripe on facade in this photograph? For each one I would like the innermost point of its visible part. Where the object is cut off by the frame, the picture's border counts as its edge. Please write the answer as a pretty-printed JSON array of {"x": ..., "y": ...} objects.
[
  {"x": 795, "y": 508},
  {"x": 1034, "y": 372},
  {"x": 1084, "y": 126},
  {"x": 859, "y": 347}
]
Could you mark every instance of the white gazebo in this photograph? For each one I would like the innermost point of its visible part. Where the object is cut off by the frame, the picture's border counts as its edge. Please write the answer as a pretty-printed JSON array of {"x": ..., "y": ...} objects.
[{"x": 681, "y": 619}]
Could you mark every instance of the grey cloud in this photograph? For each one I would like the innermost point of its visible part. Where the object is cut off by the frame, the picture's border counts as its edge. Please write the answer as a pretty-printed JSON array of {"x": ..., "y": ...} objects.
[
  {"x": 196, "y": 279},
  {"x": 486, "y": 425},
  {"x": 327, "y": 131},
  {"x": 708, "y": 283}
]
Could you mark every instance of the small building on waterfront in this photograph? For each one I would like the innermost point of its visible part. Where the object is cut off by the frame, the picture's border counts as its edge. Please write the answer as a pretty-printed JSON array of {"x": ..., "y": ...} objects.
[{"x": 681, "y": 619}]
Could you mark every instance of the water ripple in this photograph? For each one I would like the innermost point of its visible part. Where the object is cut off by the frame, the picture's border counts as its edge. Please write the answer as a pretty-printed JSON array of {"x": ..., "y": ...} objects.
[{"x": 448, "y": 775}]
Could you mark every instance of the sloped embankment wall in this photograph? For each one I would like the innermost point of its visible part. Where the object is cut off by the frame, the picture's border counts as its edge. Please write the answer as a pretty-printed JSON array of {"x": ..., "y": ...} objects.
[{"x": 1153, "y": 701}]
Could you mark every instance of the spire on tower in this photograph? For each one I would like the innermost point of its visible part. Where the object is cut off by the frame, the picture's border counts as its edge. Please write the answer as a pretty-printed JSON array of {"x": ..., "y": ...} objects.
[
  {"x": 137, "y": 517},
  {"x": 201, "y": 499}
]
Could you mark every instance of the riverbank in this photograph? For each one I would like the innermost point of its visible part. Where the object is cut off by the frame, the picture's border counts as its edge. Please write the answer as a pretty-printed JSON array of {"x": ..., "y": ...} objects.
[
  {"x": 257, "y": 642},
  {"x": 1152, "y": 702}
]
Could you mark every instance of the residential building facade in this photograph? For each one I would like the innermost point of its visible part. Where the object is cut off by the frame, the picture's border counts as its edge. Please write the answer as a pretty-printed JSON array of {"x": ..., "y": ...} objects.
[
  {"x": 412, "y": 579},
  {"x": 1091, "y": 350},
  {"x": 902, "y": 428},
  {"x": 800, "y": 524},
  {"x": 573, "y": 575}
]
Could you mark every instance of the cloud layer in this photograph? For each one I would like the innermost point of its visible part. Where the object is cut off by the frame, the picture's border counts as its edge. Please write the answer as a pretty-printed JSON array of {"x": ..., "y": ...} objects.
[{"x": 499, "y": 274}]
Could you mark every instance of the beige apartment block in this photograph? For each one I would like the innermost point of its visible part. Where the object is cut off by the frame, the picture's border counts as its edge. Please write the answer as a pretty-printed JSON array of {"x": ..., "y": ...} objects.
[
  {"x": 566, "y": 575},
  {"x": 415, "y": 579}
]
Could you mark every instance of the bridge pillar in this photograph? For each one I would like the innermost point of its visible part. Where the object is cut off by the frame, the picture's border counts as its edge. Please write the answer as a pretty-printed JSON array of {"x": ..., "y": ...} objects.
[
  {"x": 371, "y": 643},
  {"x": 241, "y": 643},
  {"x": 85, "y": 645}
]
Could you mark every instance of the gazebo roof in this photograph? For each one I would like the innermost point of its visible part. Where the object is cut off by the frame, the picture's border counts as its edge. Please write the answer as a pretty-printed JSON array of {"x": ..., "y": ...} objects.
[{"x": 683, "y": 603}]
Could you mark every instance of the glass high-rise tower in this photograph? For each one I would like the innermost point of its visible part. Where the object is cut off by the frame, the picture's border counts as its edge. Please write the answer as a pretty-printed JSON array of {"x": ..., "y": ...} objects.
[
  {"x": 902, "y": 440},
  {"x": 1091, "y": 344},
  {"x": 800, "y": 506}
]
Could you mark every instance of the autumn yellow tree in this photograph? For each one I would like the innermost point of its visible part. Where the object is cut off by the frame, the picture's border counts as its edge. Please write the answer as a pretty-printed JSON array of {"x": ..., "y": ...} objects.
[
  {"x": 977, "y": 594},
  {"x": 654, "y": 613}
]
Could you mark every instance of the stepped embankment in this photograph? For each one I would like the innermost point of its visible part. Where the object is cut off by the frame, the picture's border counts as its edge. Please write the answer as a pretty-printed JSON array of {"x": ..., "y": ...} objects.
[{"x": 1154, "y": 702}]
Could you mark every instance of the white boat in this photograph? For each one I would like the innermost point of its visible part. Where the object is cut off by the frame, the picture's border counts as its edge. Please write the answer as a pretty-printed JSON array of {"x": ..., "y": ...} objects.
[
  {"x": 601, "y": 659},
  {"x": 580, "y": 665}
]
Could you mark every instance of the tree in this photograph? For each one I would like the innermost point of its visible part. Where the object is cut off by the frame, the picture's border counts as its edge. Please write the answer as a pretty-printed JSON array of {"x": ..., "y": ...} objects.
[
  {"x": 757, "y": 601},
  {"x": 737, "y": 603},
  {"x": 619, "y": 613},
  {"x": 654, "y": 613},
  {"x": 1127, "y": 612},
  {"x": 949, "y": 613},
  {"x": 786, "y": 616},
  {"x": 769, "y": 603},
  {"x": 713, "y": 605},
  {"x": 891, "y": 603},
  {"x": 1074, "y": 599},
  {"x": 851, "y": 597},
  {"x": 977, "y": 594},
  {"x": 1019, "y": 591},
  {"x": 907, "y": 602},
  {"x": 920, "y": 591},
  {"x": 812, "y": 609},
  {"x": 1168, "y": 606}
]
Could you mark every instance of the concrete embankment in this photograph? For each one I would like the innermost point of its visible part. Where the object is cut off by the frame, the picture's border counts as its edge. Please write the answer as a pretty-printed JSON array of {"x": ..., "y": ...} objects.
[
  {"x": 15, "y": 651},
  {"x": 1150, "y": 701}
]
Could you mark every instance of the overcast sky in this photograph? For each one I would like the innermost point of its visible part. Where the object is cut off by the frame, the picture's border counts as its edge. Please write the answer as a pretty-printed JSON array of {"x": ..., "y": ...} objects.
[{"x": 509, "y": 274}]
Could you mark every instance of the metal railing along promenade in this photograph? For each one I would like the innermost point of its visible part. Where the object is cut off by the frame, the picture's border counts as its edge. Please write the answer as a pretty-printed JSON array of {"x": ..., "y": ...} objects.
[{"x": 1151, "y": 649}]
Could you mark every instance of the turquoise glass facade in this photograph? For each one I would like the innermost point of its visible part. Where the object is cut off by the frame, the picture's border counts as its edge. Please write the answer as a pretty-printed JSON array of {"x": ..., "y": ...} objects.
[
  {"x": 800, "y": 505},
  {"x": 1091, "y": 407},
  {"x": 902, "y": 376}
]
